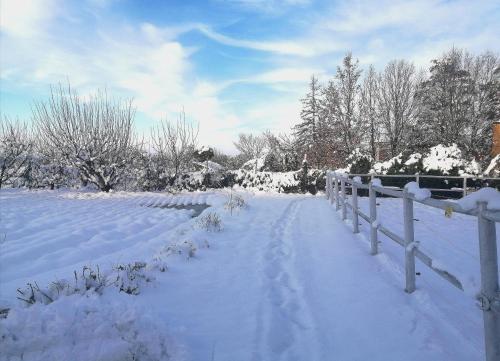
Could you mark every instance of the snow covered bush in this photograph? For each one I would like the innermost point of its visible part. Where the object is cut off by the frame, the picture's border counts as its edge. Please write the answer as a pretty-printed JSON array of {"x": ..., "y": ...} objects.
[
  {"x": 359, "y": 162},
  {"x": 438, "y": 160},
  {"x": 288, "y": 182},
  {"x": 448, "y": 160},
  {"x": 210, "y": 222}
]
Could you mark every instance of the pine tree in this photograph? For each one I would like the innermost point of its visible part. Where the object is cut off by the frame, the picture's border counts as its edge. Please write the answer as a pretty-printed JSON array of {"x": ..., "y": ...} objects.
[
  {"x": 369, "y": 108},
  {"x": 348, "y": 127},
  {"x": 307, "y": 131}
]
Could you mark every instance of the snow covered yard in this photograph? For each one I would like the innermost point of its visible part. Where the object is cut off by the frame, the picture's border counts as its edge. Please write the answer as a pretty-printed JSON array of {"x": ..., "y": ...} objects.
[{"x": 284, "y": 279}]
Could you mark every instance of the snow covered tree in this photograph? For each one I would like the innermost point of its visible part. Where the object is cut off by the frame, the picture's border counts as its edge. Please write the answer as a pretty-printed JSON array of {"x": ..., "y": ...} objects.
[
  {"x": 349, "y": 128},
  {"x": 369, "y": 108},
  {"x": 329, "y": 143},
  {"x": 493, "y": 110},
  {"x": 251, "y": 146},
  {"x": 396, "y": 103},
  {"x": 456, "y": 101},
  {"x": 485, "y": 73},
  {"x": 307, "y": 131},
  {"x": 94, "y": 134},
  {"x": 175, "y": 144},
  {"x": 203, "y": 155},
  {"x": 15, "y": 149}
]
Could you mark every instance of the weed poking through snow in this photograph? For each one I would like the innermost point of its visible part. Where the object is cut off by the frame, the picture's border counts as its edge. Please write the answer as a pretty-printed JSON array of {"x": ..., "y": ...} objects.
[{"x": 210, "y": 222}]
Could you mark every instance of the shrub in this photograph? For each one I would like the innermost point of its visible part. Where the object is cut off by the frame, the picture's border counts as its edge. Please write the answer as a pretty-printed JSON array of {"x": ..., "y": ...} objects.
[{"x": 235, "y": 202}]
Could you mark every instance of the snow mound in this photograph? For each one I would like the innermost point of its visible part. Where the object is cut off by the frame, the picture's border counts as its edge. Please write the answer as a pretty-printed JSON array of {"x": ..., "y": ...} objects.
[
  {"x": 84, "y": 328},
  {"x": 489, "y": 195},
  {"x": 420, "y": 194}
]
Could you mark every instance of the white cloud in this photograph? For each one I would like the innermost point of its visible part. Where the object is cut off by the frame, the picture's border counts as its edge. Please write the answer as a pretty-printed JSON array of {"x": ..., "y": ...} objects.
[
  {"x": 25, "y": 18},
  {"x": 267, "y": 6},
  {"x": 307, "y": 47},
  {"x": 151, "y": 64}
]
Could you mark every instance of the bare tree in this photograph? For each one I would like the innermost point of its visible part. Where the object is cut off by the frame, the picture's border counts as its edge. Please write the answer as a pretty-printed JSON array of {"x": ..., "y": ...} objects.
[
  {"x": 94, "y": 135},
  {"x": 15, "y": 149},
  {"x": 396, "y": 102},
  {"x": 175, "y": 144},
  {"x": 252, "y": 146}
]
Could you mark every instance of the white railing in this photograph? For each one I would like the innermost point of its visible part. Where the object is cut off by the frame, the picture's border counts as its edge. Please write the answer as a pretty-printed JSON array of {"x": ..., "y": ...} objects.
[
  {"x": 489, "y": 297},
  {"x": 464, "y": 189}
]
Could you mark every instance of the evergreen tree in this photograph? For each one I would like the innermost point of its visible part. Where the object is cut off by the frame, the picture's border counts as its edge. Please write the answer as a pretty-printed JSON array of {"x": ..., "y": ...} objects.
[
  {"x": 307, "y": 131},
  {"x": 348, "y": 127},
  {"x": 369, "y": 107}
]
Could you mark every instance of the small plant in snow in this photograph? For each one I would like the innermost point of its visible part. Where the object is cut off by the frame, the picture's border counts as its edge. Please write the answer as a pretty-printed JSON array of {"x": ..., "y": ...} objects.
[
  {"x": 235, "y": 202},
  {"x": 128, "y": 277},
  {"x": 186, "y": 248},
  {"x": 210, "y": 222},
  {"x": 157, "y": 263},
  {"x": 88, "y": 279}
]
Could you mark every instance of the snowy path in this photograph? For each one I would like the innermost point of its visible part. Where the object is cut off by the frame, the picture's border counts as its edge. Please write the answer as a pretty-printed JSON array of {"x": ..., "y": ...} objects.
[
  {"x": 293, "y": 283},
  {"x": 285, "y": 280}
]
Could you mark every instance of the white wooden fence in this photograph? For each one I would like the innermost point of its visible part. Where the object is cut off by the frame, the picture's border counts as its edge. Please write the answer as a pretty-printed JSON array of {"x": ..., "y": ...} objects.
[
  {"x": 489, "y": 298},
  {"x": 463, "y": 180}
]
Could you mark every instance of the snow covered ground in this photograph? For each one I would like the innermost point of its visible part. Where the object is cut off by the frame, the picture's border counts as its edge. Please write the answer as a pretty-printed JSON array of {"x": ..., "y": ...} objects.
[{"x": 285, "y": 279}]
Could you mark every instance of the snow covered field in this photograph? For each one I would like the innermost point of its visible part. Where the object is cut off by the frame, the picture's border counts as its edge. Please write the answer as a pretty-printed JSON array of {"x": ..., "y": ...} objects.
[{"x": 284, "y": 279}]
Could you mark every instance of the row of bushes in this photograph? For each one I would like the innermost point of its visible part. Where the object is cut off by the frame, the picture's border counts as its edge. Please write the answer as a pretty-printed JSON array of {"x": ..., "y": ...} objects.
[
  {"x": 439, "y": 160},
  {"x": 284, "y": 182}
]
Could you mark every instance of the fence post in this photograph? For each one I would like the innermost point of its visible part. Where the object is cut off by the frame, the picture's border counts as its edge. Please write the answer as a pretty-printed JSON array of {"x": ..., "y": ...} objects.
[
  {"x": 332, "y": 194},
  {"x": 409, "y": 239},
  {"x": 417, "y": 178},
  {"x": 464, "y": 191},
  {"x": 327, "y": 187},
  {"x": 373, "y": 219},
  {"x": 342, "y": 194},
  {"x": 336, "y": 191},
  {"x": 355, "y": 220},
  {"x": 490, "y": 292}
]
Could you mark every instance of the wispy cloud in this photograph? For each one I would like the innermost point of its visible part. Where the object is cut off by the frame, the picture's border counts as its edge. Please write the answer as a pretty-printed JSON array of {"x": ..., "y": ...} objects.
[
  {"x": 266, "y": 6},
  {"x": 167, "y": 66}
]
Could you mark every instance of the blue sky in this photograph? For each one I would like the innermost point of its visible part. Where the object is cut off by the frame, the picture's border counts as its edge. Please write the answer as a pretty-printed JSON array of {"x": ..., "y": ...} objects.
[{"x": 232, "y": 65}]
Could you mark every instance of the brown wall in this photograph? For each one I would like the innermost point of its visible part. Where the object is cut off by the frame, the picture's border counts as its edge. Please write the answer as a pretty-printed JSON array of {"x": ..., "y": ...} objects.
[{"x": 495, "y": 149}]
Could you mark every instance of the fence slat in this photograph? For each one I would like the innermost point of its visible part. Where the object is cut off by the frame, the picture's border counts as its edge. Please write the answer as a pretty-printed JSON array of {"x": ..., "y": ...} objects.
[
  {"x": 409, "y": 242},
  {"x": 355, "y": 220},
  {"x": 336, "y": 192},
  {"x": 343, "y": 196},
  {"x": 490, "y": 292},
  {"x": 373, "y": 218}
]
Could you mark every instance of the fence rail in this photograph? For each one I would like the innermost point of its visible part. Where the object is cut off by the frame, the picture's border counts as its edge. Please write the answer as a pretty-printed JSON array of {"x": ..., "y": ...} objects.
[
  {"x": 463, "y": 189},
  {"x": 489, "y": 298}
]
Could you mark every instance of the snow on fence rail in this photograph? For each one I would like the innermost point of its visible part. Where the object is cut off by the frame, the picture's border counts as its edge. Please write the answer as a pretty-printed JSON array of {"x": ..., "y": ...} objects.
[{"x": 485, "y": 205}]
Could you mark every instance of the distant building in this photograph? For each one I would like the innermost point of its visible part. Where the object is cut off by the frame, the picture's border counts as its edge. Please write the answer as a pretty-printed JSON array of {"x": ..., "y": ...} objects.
[
  {"x": 495, "y": 149},
  {"x": 382, "y": 151}
]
